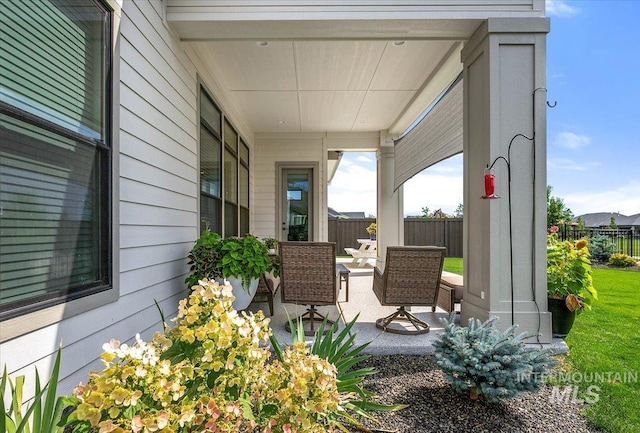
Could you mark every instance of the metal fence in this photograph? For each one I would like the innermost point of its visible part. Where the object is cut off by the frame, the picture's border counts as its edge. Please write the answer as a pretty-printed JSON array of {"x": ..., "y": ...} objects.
[
  {"x": 627, "y": 241},
  {"x": 442, "y": 232}
]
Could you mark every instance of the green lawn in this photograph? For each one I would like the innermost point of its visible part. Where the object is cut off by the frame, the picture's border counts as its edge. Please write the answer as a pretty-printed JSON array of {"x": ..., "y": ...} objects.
[
  {"x": 607, "y": 339},
  {"x": 453, "y": 264}
]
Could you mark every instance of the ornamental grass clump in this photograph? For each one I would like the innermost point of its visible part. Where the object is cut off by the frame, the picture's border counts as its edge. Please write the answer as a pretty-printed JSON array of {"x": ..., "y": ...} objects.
[
  {"x": 209, "y": 373},
  {"x": 485, "y": 362}
]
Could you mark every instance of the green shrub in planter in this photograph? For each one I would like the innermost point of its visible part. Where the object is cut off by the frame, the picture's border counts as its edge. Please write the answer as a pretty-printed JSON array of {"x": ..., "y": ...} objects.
[
  {"x": 483, "y": 361},
  {"x": 622, "y": 261},
  {"x": 215, "y": 257}
]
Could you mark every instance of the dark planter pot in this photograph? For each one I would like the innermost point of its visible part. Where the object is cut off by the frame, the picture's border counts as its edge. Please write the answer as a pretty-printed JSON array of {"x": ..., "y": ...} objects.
[
  {"x": 561, "y": 318},
  {"x": 372, "y": 237}
]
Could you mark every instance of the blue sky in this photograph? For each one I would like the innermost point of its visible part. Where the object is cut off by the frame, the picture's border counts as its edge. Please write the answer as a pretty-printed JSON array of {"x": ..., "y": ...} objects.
[{"x": 593, "y": 134}]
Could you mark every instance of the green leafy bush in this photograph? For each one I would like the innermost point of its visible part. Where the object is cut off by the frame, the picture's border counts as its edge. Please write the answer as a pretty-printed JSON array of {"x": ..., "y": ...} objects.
[
  {"x": 214, "y": 257},
  {"x": 622, "y": 261},
  {"x": 601, "y": 248},
  {"x": 483, "y": 361}
]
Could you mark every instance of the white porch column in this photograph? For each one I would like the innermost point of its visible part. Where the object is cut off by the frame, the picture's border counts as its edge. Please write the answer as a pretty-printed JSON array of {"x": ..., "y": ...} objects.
[
  {"x": 389, "y": 215},
  {"x": 504, "y": 95}
]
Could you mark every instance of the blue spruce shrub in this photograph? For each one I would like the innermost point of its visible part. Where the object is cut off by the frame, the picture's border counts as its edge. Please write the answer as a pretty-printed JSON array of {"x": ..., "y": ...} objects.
[
  {"x": 601, "y": 248},
  {"x": 483, "y": 361}
]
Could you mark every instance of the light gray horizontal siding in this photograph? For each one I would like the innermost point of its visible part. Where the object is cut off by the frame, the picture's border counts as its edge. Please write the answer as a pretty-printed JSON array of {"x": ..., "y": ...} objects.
[
  {"x": 143, "y": 257},
  {"x": 138, "y": 192},
  {"x": 131, "y": 168},
  {"x": 157, "y": 186}
]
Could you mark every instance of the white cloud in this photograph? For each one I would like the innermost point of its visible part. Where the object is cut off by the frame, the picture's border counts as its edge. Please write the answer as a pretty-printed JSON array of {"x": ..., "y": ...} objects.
[
  {"x": 568, "y": 164},
  {"x": 623, "y": 199},
  {"x": 435, "y": 191},
  {"x": 571, "y": 140},
  {"x": 560, "y": 8},
  {"x": 353, "y": 188},
  {"x": 364, "y": 158}
]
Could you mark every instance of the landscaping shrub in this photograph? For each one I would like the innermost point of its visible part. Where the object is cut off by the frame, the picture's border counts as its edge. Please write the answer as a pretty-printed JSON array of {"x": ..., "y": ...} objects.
[
  {"x": 601, "y": 248},
  {"x": 484, "y": 361},
  {"x": 622, "y": 261},
  {"x": 212, "y": 372}
]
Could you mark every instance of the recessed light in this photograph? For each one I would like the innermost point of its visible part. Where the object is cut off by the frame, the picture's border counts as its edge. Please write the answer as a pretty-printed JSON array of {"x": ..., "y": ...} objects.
[
  {"x": 281, "y": 122},
  {"x": 362, "y": 122},
  {"x": 263, "y": 44},
  {"x": 398, "y": 43}
]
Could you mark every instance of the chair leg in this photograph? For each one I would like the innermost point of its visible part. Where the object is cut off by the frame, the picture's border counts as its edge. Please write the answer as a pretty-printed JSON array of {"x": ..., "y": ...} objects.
[
  {"x": 312, "y": 316},
  {"x": 270, "y": 301},
  {"x": 403, "y": 315}
]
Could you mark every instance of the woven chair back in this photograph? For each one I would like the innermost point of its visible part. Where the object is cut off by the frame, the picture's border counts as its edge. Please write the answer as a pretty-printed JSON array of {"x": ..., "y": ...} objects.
[
  {"x": 308, "y": 273},
  {"x": 412, "y": 275}
]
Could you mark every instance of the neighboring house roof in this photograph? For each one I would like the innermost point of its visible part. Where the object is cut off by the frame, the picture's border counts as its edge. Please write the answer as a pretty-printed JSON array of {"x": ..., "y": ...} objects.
[
  {"x": 635, "y": 220},
  {"x": 335, "y": 214},
  {"x": 354, "y": 214},
  {"x": 603, "y": 219}
]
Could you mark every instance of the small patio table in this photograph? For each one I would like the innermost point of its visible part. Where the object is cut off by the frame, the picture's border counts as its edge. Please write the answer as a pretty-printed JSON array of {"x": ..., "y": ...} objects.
[{"x": 343, "y": 277}]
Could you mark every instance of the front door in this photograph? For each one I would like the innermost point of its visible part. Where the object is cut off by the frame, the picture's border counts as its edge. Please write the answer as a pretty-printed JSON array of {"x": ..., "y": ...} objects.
[{"x": 297, "y": 200}]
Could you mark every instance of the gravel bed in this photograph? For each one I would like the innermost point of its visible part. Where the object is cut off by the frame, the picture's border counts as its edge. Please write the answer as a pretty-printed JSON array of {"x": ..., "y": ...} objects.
[{"x": 435, "y": 407}]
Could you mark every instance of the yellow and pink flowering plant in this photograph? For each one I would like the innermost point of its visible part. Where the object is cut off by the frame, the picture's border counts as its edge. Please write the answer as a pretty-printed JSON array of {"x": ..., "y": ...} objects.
[
  {"x": 209, "y": 373},
  {"x": 569, "y": 272}
]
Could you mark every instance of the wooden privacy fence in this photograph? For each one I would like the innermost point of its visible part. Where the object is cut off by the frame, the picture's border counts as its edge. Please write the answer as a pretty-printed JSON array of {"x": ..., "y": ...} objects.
[{"x": 441, "y": 232}]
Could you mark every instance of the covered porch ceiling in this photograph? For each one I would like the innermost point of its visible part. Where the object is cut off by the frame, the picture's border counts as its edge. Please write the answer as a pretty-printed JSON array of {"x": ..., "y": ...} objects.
[
  {"x": 332, "y": 86},
  {"x": 329, "y": 76}
]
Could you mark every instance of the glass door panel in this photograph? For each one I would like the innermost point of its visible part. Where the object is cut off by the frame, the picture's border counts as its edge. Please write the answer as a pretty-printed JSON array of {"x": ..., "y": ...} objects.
[{"x": 297, "y": 200}]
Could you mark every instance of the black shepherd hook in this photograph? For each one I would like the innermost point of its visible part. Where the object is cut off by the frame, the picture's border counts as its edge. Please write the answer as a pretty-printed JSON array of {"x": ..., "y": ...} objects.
[{"x": 548, "y": 105}]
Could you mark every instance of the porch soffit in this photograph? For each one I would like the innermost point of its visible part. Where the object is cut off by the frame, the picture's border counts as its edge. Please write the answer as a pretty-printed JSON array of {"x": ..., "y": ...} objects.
[{"x": 333, "y": 67}]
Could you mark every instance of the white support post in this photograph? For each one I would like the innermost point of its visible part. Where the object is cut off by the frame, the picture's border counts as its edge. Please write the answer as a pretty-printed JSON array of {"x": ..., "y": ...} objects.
[
  {"x": 504, "y": 95},
  {"x": 390, "y": 204}
]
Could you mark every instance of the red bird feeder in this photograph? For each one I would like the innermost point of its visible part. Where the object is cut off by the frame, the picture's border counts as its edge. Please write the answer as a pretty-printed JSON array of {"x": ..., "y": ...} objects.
[{"x": 489, "y": 184}]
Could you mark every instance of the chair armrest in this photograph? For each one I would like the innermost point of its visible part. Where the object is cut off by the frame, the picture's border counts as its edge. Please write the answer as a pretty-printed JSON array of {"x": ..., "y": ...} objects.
[{"x": 378, "y": 284}]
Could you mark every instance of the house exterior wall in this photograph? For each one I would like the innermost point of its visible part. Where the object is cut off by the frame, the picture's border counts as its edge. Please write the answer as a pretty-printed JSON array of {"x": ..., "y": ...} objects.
[
  {"x": 289, "y": 149},
  {"x": 273, "y": 151},
  {"x": 155, "y": 199}
]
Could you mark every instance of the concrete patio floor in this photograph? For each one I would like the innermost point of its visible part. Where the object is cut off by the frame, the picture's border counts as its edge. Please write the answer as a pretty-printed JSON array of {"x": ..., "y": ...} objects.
[{"x": 363, "y": 301}]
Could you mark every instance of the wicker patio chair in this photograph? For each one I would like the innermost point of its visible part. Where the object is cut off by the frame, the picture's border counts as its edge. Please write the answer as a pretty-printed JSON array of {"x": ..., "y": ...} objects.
[
  {"x": 411, "y": 278},
  {"x": 308, "y": 277}
]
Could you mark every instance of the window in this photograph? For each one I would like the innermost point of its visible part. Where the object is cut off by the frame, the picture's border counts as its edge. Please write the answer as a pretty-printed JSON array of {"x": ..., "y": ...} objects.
[
  {"x": 224, "y": 173},
  {"x": 244, "y": 188},
  {"x": 210, "y": 165},
  {"x": 230, "y": 181},
  {"x": 55, "y": 153}
]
